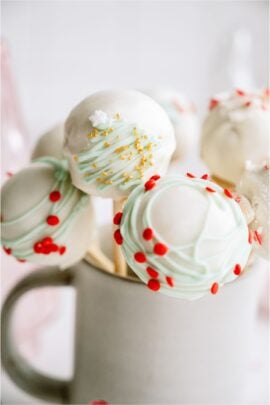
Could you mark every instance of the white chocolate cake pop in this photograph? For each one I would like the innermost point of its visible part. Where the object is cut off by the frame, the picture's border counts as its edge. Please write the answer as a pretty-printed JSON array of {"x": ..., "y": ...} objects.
[
  {"x": 182, "y": 114},
  {"x": 114, "y": 140},
  {"x": 50, "y": 144},
  {"x": 235, "y": 130},
  {"x": 44, "y": 218},
  {"x": 183, "y": 236},
  {"x": 254, "y": 185}
]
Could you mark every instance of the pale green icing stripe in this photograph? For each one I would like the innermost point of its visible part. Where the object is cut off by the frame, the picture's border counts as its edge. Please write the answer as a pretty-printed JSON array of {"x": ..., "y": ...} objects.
[
  {"x": 193, "y": 276},
  {"x": 69, "y": 195},
  {"x": 101, "y": 155}
]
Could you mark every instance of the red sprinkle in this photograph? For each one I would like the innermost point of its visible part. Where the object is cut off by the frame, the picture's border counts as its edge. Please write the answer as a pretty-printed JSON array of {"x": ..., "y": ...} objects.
[
  {"x": 237, "y": 270},
  {"x": 170, "y": 281},
  {"x": 153, "y": 284},
  {"x": 249, "y": 236},
  {"x": 228, "y": 193},
  {"x": 190, "y": 175},
  {"x": 99, "y": 402},
  {"x": 240, "y": 92},
  {"x": 155, "y": 177},
  {"x": 117, "y": 218},
  {"x": 140, "y": 257},
  {"x": 148, "y": 234},
  {"x": 152, "y": 272},
  {"x": 160, "y": 249},
  {"x": 55, "y": 196},
  {"x": 258, "y": 237},
  {"x": 237, "y": 199},
  {"x": 52, "y": 220},
  {"x": 38, "y": 247},
  {"x": 214, "y": 288},
  {"x": 210, "y": 190},
  {"x": 149, "y": 185},
  {"x": 247, "y": 104},
  {"x": 7, "y": 250},
  {"x": 21, "y": 260},
  {"x": 267, "y": 92},
  {"x": 204, "y": 176},
  {"x": 213, "y": 103},
  {"x": 118, "y": 237},
  {"x": 9, "y": 174},
  {"x": 62, "y": 250}
]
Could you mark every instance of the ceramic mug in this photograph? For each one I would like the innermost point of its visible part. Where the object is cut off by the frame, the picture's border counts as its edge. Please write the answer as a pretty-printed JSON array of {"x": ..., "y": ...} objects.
[{"x": 134, "y": 346}]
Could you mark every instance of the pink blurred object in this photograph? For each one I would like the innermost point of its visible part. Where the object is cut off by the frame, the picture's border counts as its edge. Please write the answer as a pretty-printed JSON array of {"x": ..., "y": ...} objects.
[
  {"x": 99, "y": 402},
  {"x": 40, "y": 306}
]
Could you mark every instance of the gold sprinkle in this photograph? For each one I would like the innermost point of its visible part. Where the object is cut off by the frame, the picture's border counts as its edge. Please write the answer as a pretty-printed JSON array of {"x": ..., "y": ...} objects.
[
  {"x": 75, "y": 157},
  {"x": 149, "y": 146},
  {"x": 117, "y": 117},
  {"x": 107, "y": 144},
  {"x": 121, "y": 149},
  {"x": 105, "y": 133},
  {"x": 108, "y": 182},
  {"x": 110, "y": 130},
  {"x": 94, "y": 165},
  {"x": 104, "y": 174},
  {"x": 122, "y": 157},
  {"x": 145, "y": 137}
]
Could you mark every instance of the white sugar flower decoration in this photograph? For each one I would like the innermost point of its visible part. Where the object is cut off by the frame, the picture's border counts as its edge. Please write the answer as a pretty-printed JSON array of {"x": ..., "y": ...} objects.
[{"x": 98, "y": 118}]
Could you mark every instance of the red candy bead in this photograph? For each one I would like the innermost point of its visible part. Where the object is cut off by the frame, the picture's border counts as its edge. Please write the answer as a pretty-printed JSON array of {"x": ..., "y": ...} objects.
[
  {"x": 118, "y": 237},
  {"x": 153, "y": 284},
  {"x": 237, "y": 270},
  {"x": 152, "y": 272},
  {"x": 213, "y": 103},
  {"x": 46, "y": 250},
  {"x": 55, "y": 196},
  {"x": 7, "y": 250},
  {"x": 140, "y": 257},
  {"x": 117, "y": 218},
  {"x": 210, "y": 190},
  {"x": 204, "y": 177},
  {"x": 47, "y": 241},
  {"x": 214, "y": 288},
  {"x": 38, "y": 247},
  {"x": 155, "y": 177},
  {"x": 160, "y": 249},
  {"x": 149, "y": 185},
  {"x": 52, "y": 220},
  {"x": 62, "y": 250},
  {"x": 53, "y": 247},
  {"x": 148, "y": 234},
  {"x": 170, "y": 281}
]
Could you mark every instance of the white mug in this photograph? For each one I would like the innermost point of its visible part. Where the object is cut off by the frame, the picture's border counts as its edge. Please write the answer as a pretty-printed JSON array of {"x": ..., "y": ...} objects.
[{"x": 134, "y": 346}]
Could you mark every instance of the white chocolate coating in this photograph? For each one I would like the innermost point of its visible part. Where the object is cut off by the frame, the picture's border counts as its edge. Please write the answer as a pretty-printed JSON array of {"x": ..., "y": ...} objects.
[
  {"x": 235, "y": 130},
  {"x": 182, "y": 114},
  {"x": 50, "y": 144},
  {"x": 132, "y": 121},
  {"x": 204, "y": 232},
  {"x": 27, "y": 205},
  {"x": 254, "y": 185}
]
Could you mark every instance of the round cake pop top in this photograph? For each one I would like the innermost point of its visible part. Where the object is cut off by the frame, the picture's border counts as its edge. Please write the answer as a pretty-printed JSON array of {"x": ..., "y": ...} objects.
[
  {"x": 182, "y": 114},
  {"x": 183, "y": 236},
  {"x": 50, "y": 144},
  {"x": 44, "y": 219},
  {"x": 254, "y": 185},
  {"x": 114, "y": 140},
  {"x": 235, "y": 130}
]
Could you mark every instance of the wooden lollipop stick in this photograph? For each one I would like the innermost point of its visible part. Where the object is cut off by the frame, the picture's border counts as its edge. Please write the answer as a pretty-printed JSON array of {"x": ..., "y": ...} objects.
[
  {"x": 97, "y": 258},
  {"x": 119, "y": 260}
]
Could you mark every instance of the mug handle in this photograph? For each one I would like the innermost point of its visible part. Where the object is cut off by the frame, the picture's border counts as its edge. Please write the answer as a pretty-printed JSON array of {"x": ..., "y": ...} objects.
[{"x": 20, "y": 371}]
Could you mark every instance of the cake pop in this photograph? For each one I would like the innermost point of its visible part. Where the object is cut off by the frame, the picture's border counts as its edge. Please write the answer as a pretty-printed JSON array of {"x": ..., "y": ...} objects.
[
  {"x": 254, "y": 185},
  {"x": 44, "y": 219},
  {"x": 182, "y": 114},
  {"x": 50, "y": 144},
  {"x": 183, "y": 236},
  {"x": 114, "y": 140},
  {"x": 236, "y": 129}
]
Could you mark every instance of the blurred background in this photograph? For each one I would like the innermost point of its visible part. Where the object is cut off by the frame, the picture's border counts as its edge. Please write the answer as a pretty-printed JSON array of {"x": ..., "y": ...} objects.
[{"x": 54, "y": 53}]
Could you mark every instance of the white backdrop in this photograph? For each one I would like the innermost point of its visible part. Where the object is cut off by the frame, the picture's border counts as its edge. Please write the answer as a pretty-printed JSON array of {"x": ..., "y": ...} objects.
[{"x": 64, "y": 50}]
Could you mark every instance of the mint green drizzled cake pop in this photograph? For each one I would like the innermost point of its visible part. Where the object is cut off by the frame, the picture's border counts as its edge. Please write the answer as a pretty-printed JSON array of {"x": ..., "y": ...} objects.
[
  {"x": 115, "y": 140},
  {"x": 185, "y": 237},
  {"x": 44, "y": 218}
]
